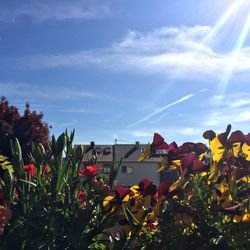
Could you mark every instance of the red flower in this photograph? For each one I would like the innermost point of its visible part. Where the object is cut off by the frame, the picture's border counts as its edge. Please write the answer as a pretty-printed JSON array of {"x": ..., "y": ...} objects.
[
  {"x": 82, "y": 195},
  {"x": 151, "y": 226},
  {"x": 30, "y": 169},
  {"x": 163, "y": 188},
  {"x": 121, "y": 192},
  {"x": 89, "y": 171},
  {"x": 106, "y": 188},
  {"x": 5, "y": 216},
  {"x": 146, "y": 187},
  {"x": 1, "y": 196},
  {"x": 236, "y": 136},
  {"x": 158, "y": 142},
  {"x": 190, "y": 147}
]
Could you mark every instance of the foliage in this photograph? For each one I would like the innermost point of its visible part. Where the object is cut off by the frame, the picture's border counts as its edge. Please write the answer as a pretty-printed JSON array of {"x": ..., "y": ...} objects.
[
  {"x": 56, "y": 203},
  {"x": 27, "y": 128}
]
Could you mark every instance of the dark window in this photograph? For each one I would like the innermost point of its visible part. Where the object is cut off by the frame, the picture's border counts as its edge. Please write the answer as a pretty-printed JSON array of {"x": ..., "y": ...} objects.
[
  {"x": 98, "y": 150},
  {"x": 127, "y": 170},
  {"x": 124, "y": 169},
  {"x": 107, "y": 150}
]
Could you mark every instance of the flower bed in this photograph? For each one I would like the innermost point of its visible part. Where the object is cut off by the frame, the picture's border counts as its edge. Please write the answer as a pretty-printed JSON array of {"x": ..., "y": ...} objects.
[{"x": 54, "y": 203}]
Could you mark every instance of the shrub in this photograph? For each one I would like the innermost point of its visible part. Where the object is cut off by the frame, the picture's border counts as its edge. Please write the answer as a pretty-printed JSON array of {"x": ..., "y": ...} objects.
[{"x": 28, "y": 128}]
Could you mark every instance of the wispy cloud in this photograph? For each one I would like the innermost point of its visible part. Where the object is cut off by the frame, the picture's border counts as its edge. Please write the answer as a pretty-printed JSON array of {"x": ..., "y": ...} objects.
[
  {"x": 191, "y": 131},
  {"x": 225, "y": 117},
  {"x": 23, "y": 90},
  {"x": 55, "y": 10},
  {"x": 235, "y": 100},
  {"x": 177, "y": 51},
  {"x": 233, "y": 108},
  {"x": 142, "y": 133},
  {"x": 177, "y": 133}
]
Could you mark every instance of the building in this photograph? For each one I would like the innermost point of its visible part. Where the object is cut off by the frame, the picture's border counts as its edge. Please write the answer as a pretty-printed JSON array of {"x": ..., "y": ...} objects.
[{"x": 131, "y": 171}]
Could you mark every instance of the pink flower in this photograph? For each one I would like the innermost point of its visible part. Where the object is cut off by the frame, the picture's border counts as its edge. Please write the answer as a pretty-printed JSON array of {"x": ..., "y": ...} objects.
[{"x": 89, "y": 171}]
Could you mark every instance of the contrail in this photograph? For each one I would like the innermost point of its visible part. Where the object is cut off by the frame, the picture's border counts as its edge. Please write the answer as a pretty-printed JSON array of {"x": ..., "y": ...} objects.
[{"x": 161, "y": 109}]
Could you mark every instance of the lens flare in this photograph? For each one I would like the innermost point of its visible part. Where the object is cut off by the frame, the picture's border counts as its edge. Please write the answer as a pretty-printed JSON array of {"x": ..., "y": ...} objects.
[
  {"x": 236, "y": 6},
  {"x": 235, "y": 56}
]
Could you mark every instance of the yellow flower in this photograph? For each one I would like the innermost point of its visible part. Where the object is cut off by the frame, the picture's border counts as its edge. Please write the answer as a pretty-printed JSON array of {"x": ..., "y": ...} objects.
[
  {"x": 232, "y": 181},
  {"x": 214, "y": 172},
  {"x": 175, "y": 165},
  {"x": 236, "y": 149},
  {"x": 106, "y": 201},
  {"x": 246, "y": 179},
  {"x": 246, "y": 151},
  {"x": 145, "y": 154},
  {"x": 217, "y": 149},
  {"x": 164, "y": 164},
  {"x": 225, "y": 198},
  {"x": 179, "y": 182},
  {"x": 244, "y": 217}
]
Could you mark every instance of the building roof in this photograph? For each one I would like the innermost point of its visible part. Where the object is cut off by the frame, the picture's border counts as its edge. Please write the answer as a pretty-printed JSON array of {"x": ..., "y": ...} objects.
[
  {"x": 131, "y": 152},
  {"x": 106, "y": 153}
]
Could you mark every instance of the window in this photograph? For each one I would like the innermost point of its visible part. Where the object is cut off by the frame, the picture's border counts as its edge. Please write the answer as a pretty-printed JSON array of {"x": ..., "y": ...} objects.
[
  {"x": 162, "y": 151},
  {"x": 106, "y": 168},
  {"x": 127, "y": 170},
  {"x": 98, "y": 150},
  {"x": 124, "y": 169},
  {"x": 106, "y": 150}
]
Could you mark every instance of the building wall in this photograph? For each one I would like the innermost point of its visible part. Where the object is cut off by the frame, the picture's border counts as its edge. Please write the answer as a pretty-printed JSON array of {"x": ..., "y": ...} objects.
[{"x": 140, "y": 171}]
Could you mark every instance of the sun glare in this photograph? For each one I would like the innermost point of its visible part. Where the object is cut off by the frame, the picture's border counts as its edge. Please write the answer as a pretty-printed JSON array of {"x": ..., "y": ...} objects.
[
  {"x": 232, "y": 10},
  {"x": 235, "y": 54}
]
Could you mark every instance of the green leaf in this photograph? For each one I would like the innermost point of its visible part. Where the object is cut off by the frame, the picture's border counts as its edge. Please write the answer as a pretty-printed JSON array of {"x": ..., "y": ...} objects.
[
  {"x": 28, "y": 182},
  {"x": 60, "y": 144},
  {"x": 79, "y": 152}
]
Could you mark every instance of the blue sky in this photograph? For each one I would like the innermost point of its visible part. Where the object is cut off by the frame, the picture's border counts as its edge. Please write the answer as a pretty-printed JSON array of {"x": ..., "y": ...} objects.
[{"x": 125, "y": 69}]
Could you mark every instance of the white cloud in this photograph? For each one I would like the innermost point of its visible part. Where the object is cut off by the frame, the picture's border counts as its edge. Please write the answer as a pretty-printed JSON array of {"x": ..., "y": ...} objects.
[
  {"x": 235, "y": 100},
  {"x": 177, "y": 51},
  {"x": 142, "y": 133},
  {"x": 226, "y": 116},
  {"x": 244, "y": 117},
  {"x": 191, "y": 131},
  {"x": 43, "y": 10},
  {"x": 240, "y": 103}
]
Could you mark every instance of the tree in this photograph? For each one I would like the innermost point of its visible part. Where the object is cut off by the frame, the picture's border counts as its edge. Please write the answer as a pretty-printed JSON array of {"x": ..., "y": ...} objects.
[{"x": 27, "y": 128}]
